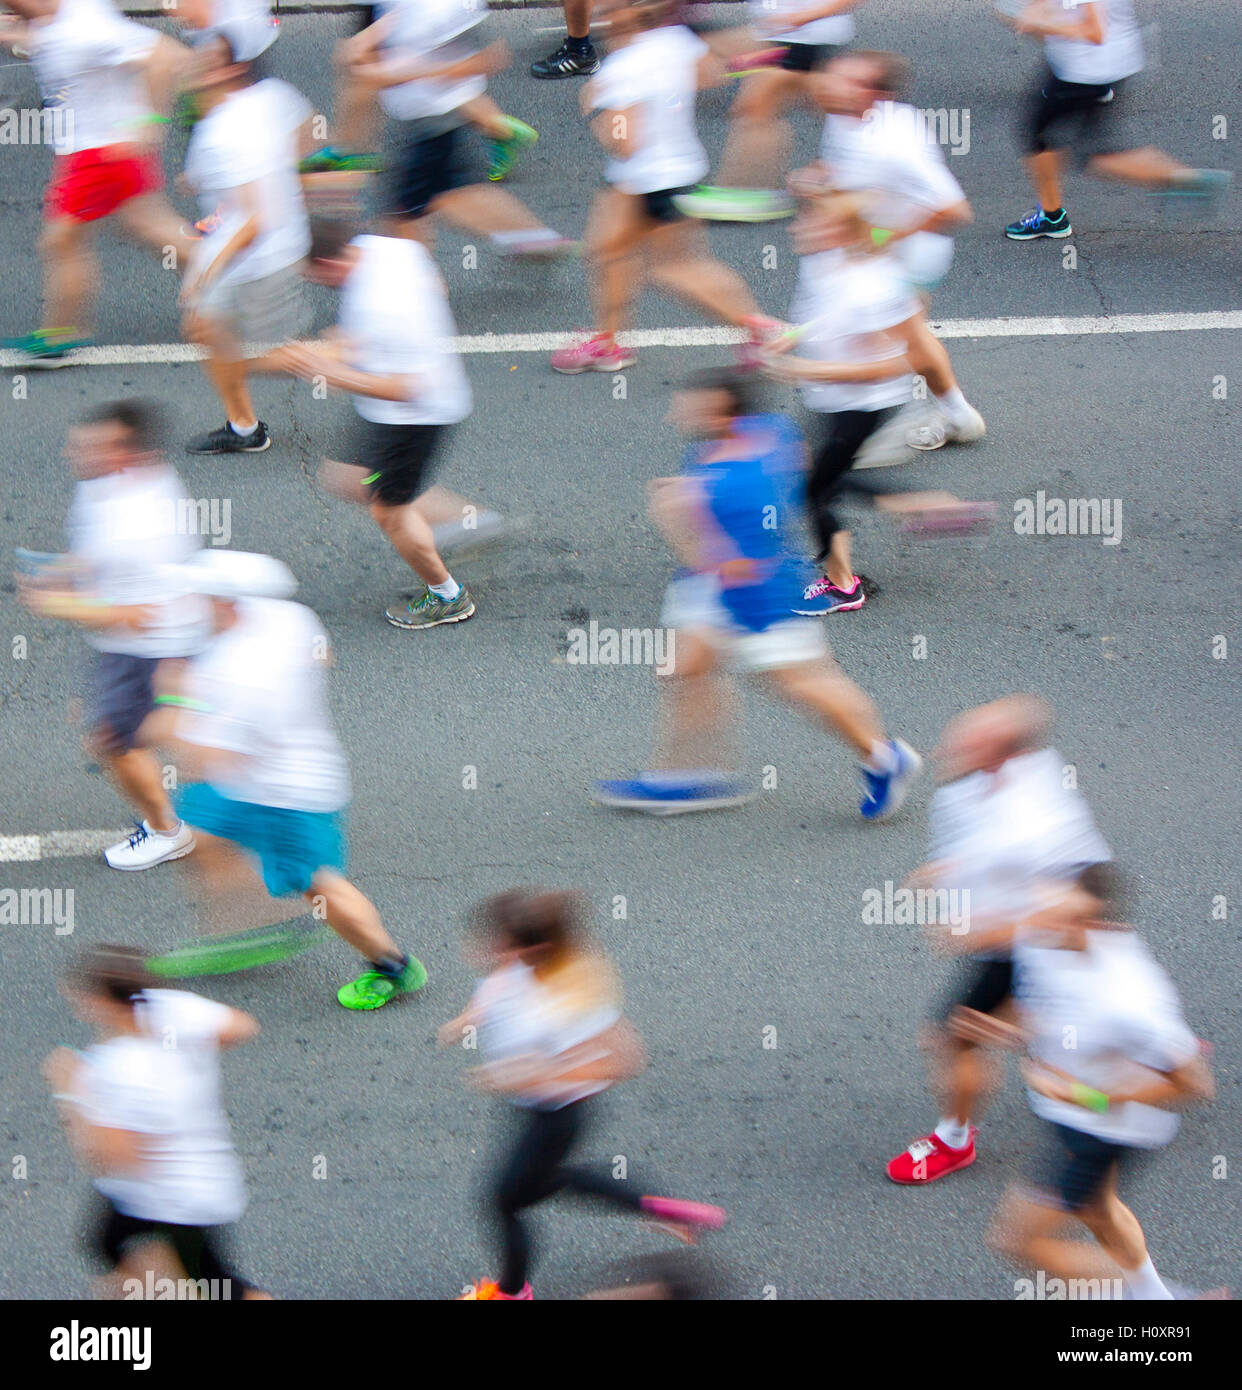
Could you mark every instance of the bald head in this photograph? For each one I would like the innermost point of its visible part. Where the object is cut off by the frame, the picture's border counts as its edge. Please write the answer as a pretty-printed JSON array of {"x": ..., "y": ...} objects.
[{"x": 984, "y": 738}]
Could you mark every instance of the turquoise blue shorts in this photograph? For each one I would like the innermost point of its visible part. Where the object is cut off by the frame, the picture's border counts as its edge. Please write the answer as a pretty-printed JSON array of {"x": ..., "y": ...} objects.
[{"x": 291, "y": 846}]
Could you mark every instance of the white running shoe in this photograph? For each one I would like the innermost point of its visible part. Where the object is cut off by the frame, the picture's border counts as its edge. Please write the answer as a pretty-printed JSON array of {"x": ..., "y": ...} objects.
[
  {"x": 146, "y": 848},
  {"x": 936, "y": 432}
]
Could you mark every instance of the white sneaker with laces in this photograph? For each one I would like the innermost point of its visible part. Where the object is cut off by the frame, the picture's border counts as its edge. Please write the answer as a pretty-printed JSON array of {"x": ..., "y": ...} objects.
[
  {"x": 937, "y": 431},
  {"x": 146, "y": 848}
]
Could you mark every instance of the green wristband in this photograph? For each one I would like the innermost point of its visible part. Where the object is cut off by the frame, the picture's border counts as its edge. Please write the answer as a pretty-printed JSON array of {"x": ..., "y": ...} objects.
[
  {"x": 181, "y": 702},
  {"x": 879, "y": 236},
  {"x": 1089, "y": 1098}
]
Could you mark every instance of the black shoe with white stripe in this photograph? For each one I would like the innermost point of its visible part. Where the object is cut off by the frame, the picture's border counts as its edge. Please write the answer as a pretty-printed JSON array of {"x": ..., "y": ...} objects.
[
  {"x": 226, "y": 440},
  {"x": 567, "y": 61}
]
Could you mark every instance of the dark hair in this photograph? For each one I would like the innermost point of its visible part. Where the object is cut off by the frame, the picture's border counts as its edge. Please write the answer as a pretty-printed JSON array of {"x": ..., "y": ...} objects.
[
  {"x": 892, "y": 71},
  {"x": 142, "y": 420},
  {"x": 329, "y": 237},
  {"x": 738, "y": 385},
  {"x": 1105, "y": 884},
  {"x": 115, "y": 973},
  {"x": 525, "y": 918}
]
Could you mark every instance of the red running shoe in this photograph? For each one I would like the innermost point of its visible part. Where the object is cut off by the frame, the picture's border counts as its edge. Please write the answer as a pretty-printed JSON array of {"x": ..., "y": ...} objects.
[{"x": 930, "y": 1158}]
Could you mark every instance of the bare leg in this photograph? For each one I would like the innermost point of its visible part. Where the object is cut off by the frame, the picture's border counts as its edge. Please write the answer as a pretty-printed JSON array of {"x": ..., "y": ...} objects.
[
  {"x": 152, "y": 221},
  {"x": 139, "y": 778},
  {"x": 486, "y": 209},
  {"x": 166, "y": 71},
  {"x": 1149, "y": 167},
  {"x": 839, "y": 565},
  {"x": 411, "y": 538},
  {"x": 70, "y": 272},
  {"x": 351, "y": 915},
  {"x": 682, "y": 263},
  {"x": 699, "y": 710},
  {"x": 930, "y": 359},
  {"x": 227, "y": 891},
  {"x": 1044, "y": 170},
  {"x": 483, "y": 113},
  {"x": 615, "y": 229},
  {"x": 823, "y": 690},
  {"x": 578, "y": 18},
  {"x": 760, "y": 141},
  {"x": 225, "y": 368}
]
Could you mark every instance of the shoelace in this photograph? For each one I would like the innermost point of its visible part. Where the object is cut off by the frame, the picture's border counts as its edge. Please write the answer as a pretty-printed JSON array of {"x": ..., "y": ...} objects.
[
  {"x": 139, "y": 835},
  {"x": 1032, "y": 219},
  {"x": 921, "y": 1148}
]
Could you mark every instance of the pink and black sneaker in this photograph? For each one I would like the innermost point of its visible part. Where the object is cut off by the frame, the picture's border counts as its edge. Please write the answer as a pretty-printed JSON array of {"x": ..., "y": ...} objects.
[{"x": 823, "y": 596}]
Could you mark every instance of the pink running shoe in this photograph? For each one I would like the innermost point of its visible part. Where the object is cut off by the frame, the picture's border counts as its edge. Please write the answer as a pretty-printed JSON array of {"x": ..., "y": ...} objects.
[
  {"x": 753, "y": 62},
  {"x": 823, "y": 596},
  {"x": 685, "y": 1213},
  {"x": 596, "y": 354},
  {"x": 966, "y": 519}
]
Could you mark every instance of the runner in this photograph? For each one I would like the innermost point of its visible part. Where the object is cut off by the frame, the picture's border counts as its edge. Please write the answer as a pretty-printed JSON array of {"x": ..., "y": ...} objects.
[
  {"x": 576, "y": 57},
  {"x": 127, "y": 523},
  {"x": 547, "y": 1015},
  {"x": 732, "y": 604},
  {"x": 251, "y": 720},
  {"x": 395, "y": 354},
  {"x": 852, "y": 364},
  {"x": 142, "y": 1110},
  {"x": 1092, "y": 48},
  {"x": 760, "y": 139},
  {"x": 1107, "y": 1101},
  {"x": 243, "y": 284},
  {"x": 644, "y": 97},
  {"x": 1002, "y": 822},
  {"x": 875, "y": 143},
  {"x": 94, "y": 70}
]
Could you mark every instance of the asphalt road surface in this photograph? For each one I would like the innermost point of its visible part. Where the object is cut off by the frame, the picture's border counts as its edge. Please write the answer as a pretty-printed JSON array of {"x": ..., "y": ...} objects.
[{"x": 784, "y": 1063}]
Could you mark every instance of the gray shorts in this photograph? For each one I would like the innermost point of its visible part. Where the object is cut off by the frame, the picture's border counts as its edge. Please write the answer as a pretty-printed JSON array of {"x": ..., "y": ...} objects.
[
  {"x": 270, "y": 310},
  {"x": 120, "y": 696}
]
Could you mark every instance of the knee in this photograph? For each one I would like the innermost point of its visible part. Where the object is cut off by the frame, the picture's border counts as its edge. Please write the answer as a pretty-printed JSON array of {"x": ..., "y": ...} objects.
[
  {"x": 387, "y": 518},
  {"x": 58, "y": 238}
]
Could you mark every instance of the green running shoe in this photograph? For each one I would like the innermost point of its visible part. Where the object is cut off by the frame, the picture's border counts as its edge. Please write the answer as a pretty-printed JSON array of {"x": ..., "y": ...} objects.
[
  {"x": 503, "y": 153},
  {"x": 373, "y": 989},
  {"x": 224, "y": 955},
  {"x": 47, "y": 348},
  {"x": 333, "y": 161},
  {"x": 430, "y": 610},
  {"x": 718, "y": 204}
]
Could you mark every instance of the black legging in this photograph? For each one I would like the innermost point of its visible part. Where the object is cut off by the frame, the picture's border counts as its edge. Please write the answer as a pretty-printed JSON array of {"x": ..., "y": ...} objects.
[
  {"x": 844, "y": 434},
  {"x": 535, "y": 1171}
]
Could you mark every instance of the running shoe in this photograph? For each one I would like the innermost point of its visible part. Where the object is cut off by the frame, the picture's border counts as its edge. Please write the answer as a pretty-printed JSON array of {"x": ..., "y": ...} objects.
[
  {"x": 502, "y": 154},
  {"x": 683, "y": 1213},
  {"x": 599, "y": 353},
  {"x": 746, "y": 63},
  {"x": 716, "y": 204},
  {"x": 374, "y": 988},
  {"x": 243, "y": 951},
  {"x": 430, "y": 610},
  {"x": 567, "y": 61},
  {"x": 823, "y": 596},
  {"x": 330, "y": 160},
  {"x": 539, "y": 243},
  {"x": 146, "y": 848},
  {"x": 1038, "y": 223},
  {"x": 965, "y": 519},
  {"x": 930, "y": 1158},
  {"x": 1198, "y": 183},
  {"x": 226, "y": 440},
  {"x": 672, "y": 794},
  {"x": 884, "y": 792},
  {"x": 48, "y": 348},
  {"x": 203, "y": 227},
  {"x": 488, "y": 1290},
  {"x": 456, "y": 540},
  {"x": 937, "y": 431}
]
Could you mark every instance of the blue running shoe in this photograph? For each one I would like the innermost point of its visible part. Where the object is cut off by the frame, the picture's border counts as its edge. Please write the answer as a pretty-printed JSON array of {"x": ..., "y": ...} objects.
[
  {"x": 884, "y": 792},
  {"x": 673, "y": 793},
  {"x": 1039, "y": 223}
]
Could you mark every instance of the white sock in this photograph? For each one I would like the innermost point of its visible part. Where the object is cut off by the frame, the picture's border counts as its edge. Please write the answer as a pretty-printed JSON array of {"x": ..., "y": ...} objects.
[
  {"x": 163, "y": 834},
  {"x": 1144, "y": 1283},
  {"x": 956, "y": 408},
  {"x": 883, "y": 758},
  {"x": 950, "y": 1132},
  {"x": 244, "y": 430},
  {"x": 448, "y": 591}
]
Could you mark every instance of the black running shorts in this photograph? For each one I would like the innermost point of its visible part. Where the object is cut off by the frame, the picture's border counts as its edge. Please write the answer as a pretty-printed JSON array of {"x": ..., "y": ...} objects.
[
  {"x": 1061, "y": 114},
  {"x": 198, "y": 1248},
  {"x": 981, "y": 985},
  {"x": 436, "y": 158},
  {"x": 397, "y": 458},
  {"x": 1074, "y": 1166}
]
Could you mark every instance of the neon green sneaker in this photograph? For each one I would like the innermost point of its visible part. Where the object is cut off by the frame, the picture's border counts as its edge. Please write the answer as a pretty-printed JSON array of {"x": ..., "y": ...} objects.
[
  {"x": 503, "y": 153},
  {"x": 223, "y": 955},
  {"x": 373, "y": 989}
]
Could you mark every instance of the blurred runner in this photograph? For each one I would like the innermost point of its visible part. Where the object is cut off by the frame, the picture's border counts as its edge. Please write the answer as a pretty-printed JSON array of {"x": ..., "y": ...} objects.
[
  {"x": 1002, "y": 822},
  {"x": 547, "y": 1016},
  {"x": 95, "y": 73},
  {"x": 125, "y": 527},
  {"x": 732, "y": 603},
  {"x": 644, "y": 99},
  {"x": 394, "y": 351},
  {"x": 1110, "y": 1058},
  {"x": 268, "y": 775},
  {"x": 1092, "y": 47},
  {"x": 142, "y": 1110}
]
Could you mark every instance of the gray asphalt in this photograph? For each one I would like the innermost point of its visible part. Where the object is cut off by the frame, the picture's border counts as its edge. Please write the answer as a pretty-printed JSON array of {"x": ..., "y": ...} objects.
[{"x": 737, "y": 923}]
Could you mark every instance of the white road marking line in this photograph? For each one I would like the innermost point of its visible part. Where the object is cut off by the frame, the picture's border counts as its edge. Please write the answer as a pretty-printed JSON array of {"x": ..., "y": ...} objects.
[
  {"x": 163, "y": 354},
  {"x": 57, "y": 844}
]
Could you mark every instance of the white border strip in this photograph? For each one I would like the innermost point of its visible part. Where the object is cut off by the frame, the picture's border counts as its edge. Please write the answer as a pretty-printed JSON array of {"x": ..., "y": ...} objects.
[{"x": 57, "y": 844}]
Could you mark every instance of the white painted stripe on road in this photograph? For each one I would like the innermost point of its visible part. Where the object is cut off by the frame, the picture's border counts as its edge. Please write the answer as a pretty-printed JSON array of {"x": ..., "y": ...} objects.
[
  {"x": 162, "y": 354},
  {"x": 57, "y": 844}
]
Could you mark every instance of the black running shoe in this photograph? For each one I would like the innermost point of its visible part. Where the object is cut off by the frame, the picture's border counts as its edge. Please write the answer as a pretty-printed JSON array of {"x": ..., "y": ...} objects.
[
  {"x": 567, "y": 61},
  {"x": 226, "y": 440}
]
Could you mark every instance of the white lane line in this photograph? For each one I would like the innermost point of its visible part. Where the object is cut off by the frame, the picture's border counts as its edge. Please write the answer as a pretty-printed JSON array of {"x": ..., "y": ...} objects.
[
  {"x": 160, "y": 354},
  {"x": 57, "y": 844}
]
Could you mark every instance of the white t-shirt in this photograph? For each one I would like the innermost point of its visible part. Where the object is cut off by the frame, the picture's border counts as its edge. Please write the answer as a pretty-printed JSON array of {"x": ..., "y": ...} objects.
[
  {"x": 1120, "y": 55},
  {"x": 434, "y": 30},
  {"x": 655, "y": 75},
  {"x": 164, "y": 1084},
  {"x": 94, "y": 55},
  {"x": 262, "y": 687},
  {"x": 852, "y": 301},
  {"x": 519, "y": 1016},
  {"x": 395, "y": 315},
  {"x": 1006, "y": 833},
  {"x": 249, "y": 142},
  {"x": 766, "y": 17},
  {"x": 1100, "y": 1014},
  {"x": 125, "y": 527}
]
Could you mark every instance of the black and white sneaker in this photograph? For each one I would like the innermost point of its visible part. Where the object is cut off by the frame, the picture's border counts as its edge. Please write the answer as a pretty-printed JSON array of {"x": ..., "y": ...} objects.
[
  {"x": 226, "y": 440},
  {"x": 568, "y": 61}
]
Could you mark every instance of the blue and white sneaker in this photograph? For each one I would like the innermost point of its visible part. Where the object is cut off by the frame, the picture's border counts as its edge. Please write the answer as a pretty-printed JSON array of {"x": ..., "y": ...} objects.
[
  {"x": 1039, "y": 223},
  {"x": 884, "y": 792},
  {"x": 673, "y": 793},
  {"x": 1198, "y": 183}
]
